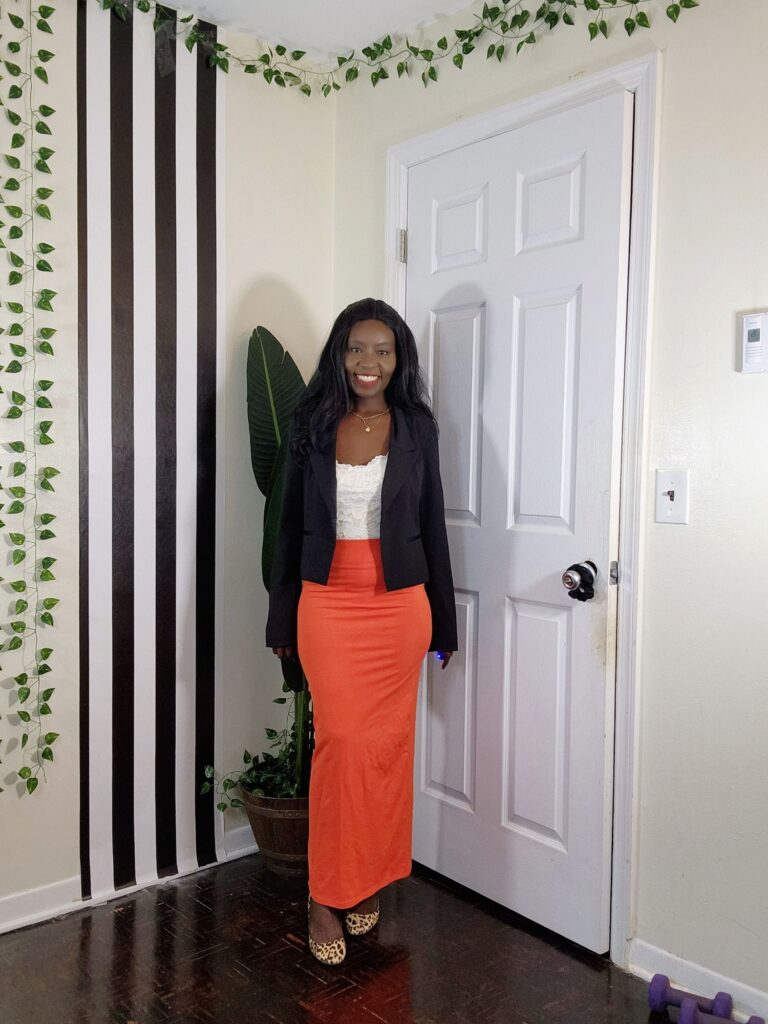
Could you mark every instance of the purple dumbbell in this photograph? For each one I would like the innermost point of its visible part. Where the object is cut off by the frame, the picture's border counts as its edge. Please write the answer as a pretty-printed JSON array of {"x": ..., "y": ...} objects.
[
  {"x": 691, "y": 1014},
  {"x": 661, "y": 995}
]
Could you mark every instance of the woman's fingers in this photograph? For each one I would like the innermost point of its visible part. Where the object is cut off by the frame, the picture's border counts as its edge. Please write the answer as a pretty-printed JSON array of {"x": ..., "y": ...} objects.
[
  {"x": 446, "y": 657},
  {"x": 283, "y": 652}
]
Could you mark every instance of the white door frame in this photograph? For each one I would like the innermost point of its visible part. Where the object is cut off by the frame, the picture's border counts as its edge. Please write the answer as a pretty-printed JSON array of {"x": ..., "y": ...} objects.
[{"x": 642, "y": 77}]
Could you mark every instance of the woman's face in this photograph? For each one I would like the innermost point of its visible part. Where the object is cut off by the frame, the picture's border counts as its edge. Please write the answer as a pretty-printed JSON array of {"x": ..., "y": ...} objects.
[{"x": 369, "y": 359}]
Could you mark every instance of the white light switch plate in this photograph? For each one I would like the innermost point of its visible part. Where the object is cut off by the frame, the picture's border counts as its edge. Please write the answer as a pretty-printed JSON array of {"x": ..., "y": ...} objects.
[{"x": 672, "y": 496}]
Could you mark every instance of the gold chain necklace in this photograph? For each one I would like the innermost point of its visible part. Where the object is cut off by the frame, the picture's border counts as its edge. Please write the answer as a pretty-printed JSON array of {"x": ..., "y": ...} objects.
[{"x": 366, "y": 418}]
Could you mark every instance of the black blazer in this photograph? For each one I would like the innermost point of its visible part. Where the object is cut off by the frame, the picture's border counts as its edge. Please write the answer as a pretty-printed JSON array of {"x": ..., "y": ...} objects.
[{"x": 414, "y": 542}]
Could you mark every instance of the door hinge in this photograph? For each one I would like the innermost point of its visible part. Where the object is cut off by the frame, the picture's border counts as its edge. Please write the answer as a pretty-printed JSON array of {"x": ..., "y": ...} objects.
[
  {"x": 402, "y": 246},
  {"x": 614, "y": 573}
]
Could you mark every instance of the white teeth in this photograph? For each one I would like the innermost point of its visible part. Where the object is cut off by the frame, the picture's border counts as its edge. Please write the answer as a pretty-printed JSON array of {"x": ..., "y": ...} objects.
[{"x": 367, "y": 377}]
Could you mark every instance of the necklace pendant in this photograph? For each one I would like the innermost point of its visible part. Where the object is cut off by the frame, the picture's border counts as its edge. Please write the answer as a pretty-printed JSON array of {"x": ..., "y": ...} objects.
[{"x": 367, "y": 430}]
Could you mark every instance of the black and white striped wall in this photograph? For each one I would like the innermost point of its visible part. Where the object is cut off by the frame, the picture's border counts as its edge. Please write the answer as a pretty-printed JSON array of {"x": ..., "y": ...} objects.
[{"x": 150, "y": 138}]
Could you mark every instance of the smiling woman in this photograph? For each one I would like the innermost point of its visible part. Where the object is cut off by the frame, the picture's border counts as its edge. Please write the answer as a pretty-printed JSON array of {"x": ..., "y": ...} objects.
[{"x": 362, "y": 585}]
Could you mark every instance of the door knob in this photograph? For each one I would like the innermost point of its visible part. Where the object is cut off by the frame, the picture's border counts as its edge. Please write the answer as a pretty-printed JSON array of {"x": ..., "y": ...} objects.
[{"x": 579, "y": 580}]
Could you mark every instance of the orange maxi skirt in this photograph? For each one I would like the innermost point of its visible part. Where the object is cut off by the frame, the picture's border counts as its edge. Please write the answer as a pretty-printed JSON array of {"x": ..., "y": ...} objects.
[{"x": 361, "y": 647}]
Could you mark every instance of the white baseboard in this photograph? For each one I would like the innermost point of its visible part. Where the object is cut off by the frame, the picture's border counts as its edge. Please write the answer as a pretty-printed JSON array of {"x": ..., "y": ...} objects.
[
  {"x": 63, "y": 897},
  {"x": 646, "y": 960},
  {"x": 239, "y": 842},
  {"x": 35, "y": 905}
]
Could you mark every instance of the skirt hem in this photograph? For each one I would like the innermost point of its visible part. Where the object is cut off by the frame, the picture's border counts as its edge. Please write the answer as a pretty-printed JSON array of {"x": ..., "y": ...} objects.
[{"x": 339, "y": 905}]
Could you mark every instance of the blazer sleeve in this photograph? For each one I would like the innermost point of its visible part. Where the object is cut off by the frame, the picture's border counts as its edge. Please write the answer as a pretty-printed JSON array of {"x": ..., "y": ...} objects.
[
  {"x": 434, "y": 539},
  {"x": 285, "y": 579}
]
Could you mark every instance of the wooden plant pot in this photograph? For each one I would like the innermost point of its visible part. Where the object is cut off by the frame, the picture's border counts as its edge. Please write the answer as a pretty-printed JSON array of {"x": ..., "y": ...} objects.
[{"x": 281, "y": 829}]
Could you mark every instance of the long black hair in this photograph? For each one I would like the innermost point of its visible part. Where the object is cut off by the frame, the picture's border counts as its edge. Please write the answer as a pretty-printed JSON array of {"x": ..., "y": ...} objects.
[{"x": 328, "y": 397}]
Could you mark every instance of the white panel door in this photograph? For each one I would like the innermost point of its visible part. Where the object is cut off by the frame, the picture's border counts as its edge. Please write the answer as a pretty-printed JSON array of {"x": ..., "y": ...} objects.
[{"x": 516, "y": 292}]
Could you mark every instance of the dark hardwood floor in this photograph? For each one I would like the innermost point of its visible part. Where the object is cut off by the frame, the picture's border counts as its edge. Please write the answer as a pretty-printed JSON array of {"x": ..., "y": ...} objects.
[{"x": 228, "y": 945}]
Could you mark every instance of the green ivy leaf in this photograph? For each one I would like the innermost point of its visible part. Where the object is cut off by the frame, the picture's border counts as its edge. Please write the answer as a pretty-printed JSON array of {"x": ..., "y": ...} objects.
[
  {"x": 24, "y": 692},
  {"x": 673, "y": 11},
  {"x": 42, "y": 74},
  {"x": 12, "y": 161},
  {"x": 43, "y": 25},
  {"x": 47, "y": 694},
  {"x": 25, "y": 772},
  {"x": 31, "y": 786},
  {"x": 45, "y": 110},
  {"x": 51, "y": 737},
  {"x": 19, "y": 586},
  {"x": 43, "y": 210},
  {"x": 47, "y": 754},
  {"x": 15, "y": 307},
  {"x": 47, "y": 535}
]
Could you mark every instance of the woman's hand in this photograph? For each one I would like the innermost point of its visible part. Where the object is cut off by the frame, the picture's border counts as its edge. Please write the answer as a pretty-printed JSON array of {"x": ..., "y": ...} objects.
[
  {"x": 283, "y": 652},
  {"x": 446, "y": 657}
]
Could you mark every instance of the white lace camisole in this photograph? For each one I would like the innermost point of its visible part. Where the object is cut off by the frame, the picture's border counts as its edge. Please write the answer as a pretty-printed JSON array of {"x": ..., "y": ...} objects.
[{"x": 358, "y": 498}]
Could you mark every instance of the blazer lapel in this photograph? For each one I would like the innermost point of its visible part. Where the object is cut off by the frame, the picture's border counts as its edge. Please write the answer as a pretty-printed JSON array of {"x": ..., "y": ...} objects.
[
  {"x": 400, "y": 462},
  {"x": 401, "y": 459}
]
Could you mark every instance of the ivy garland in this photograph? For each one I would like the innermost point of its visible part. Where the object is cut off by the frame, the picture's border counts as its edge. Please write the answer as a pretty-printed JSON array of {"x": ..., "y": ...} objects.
[
  {"x": 24, "y": 201},
  {"x": 510, "y": 25}
]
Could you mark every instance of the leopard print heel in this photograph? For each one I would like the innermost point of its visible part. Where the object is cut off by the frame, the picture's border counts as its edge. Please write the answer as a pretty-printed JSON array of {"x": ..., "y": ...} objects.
[
  {"x": 332, "y": 952},
  {"x": 359, "y": 924}
]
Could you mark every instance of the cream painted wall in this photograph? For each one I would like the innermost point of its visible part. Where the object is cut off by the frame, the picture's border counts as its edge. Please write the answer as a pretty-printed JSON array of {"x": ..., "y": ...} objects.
[
  {"x": 701, "y": 878},
  {"x": 279, "y": 273},
  {"x": 39, "y": 834}
]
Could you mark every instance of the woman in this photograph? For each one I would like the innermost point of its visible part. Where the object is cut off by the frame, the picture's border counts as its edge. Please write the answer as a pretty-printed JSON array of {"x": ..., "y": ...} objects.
[{"x": 362, "y": 586}]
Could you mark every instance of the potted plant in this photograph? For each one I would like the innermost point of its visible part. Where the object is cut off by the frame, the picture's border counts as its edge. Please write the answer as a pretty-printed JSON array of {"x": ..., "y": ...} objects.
[{"x": 273, "y": 788}]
